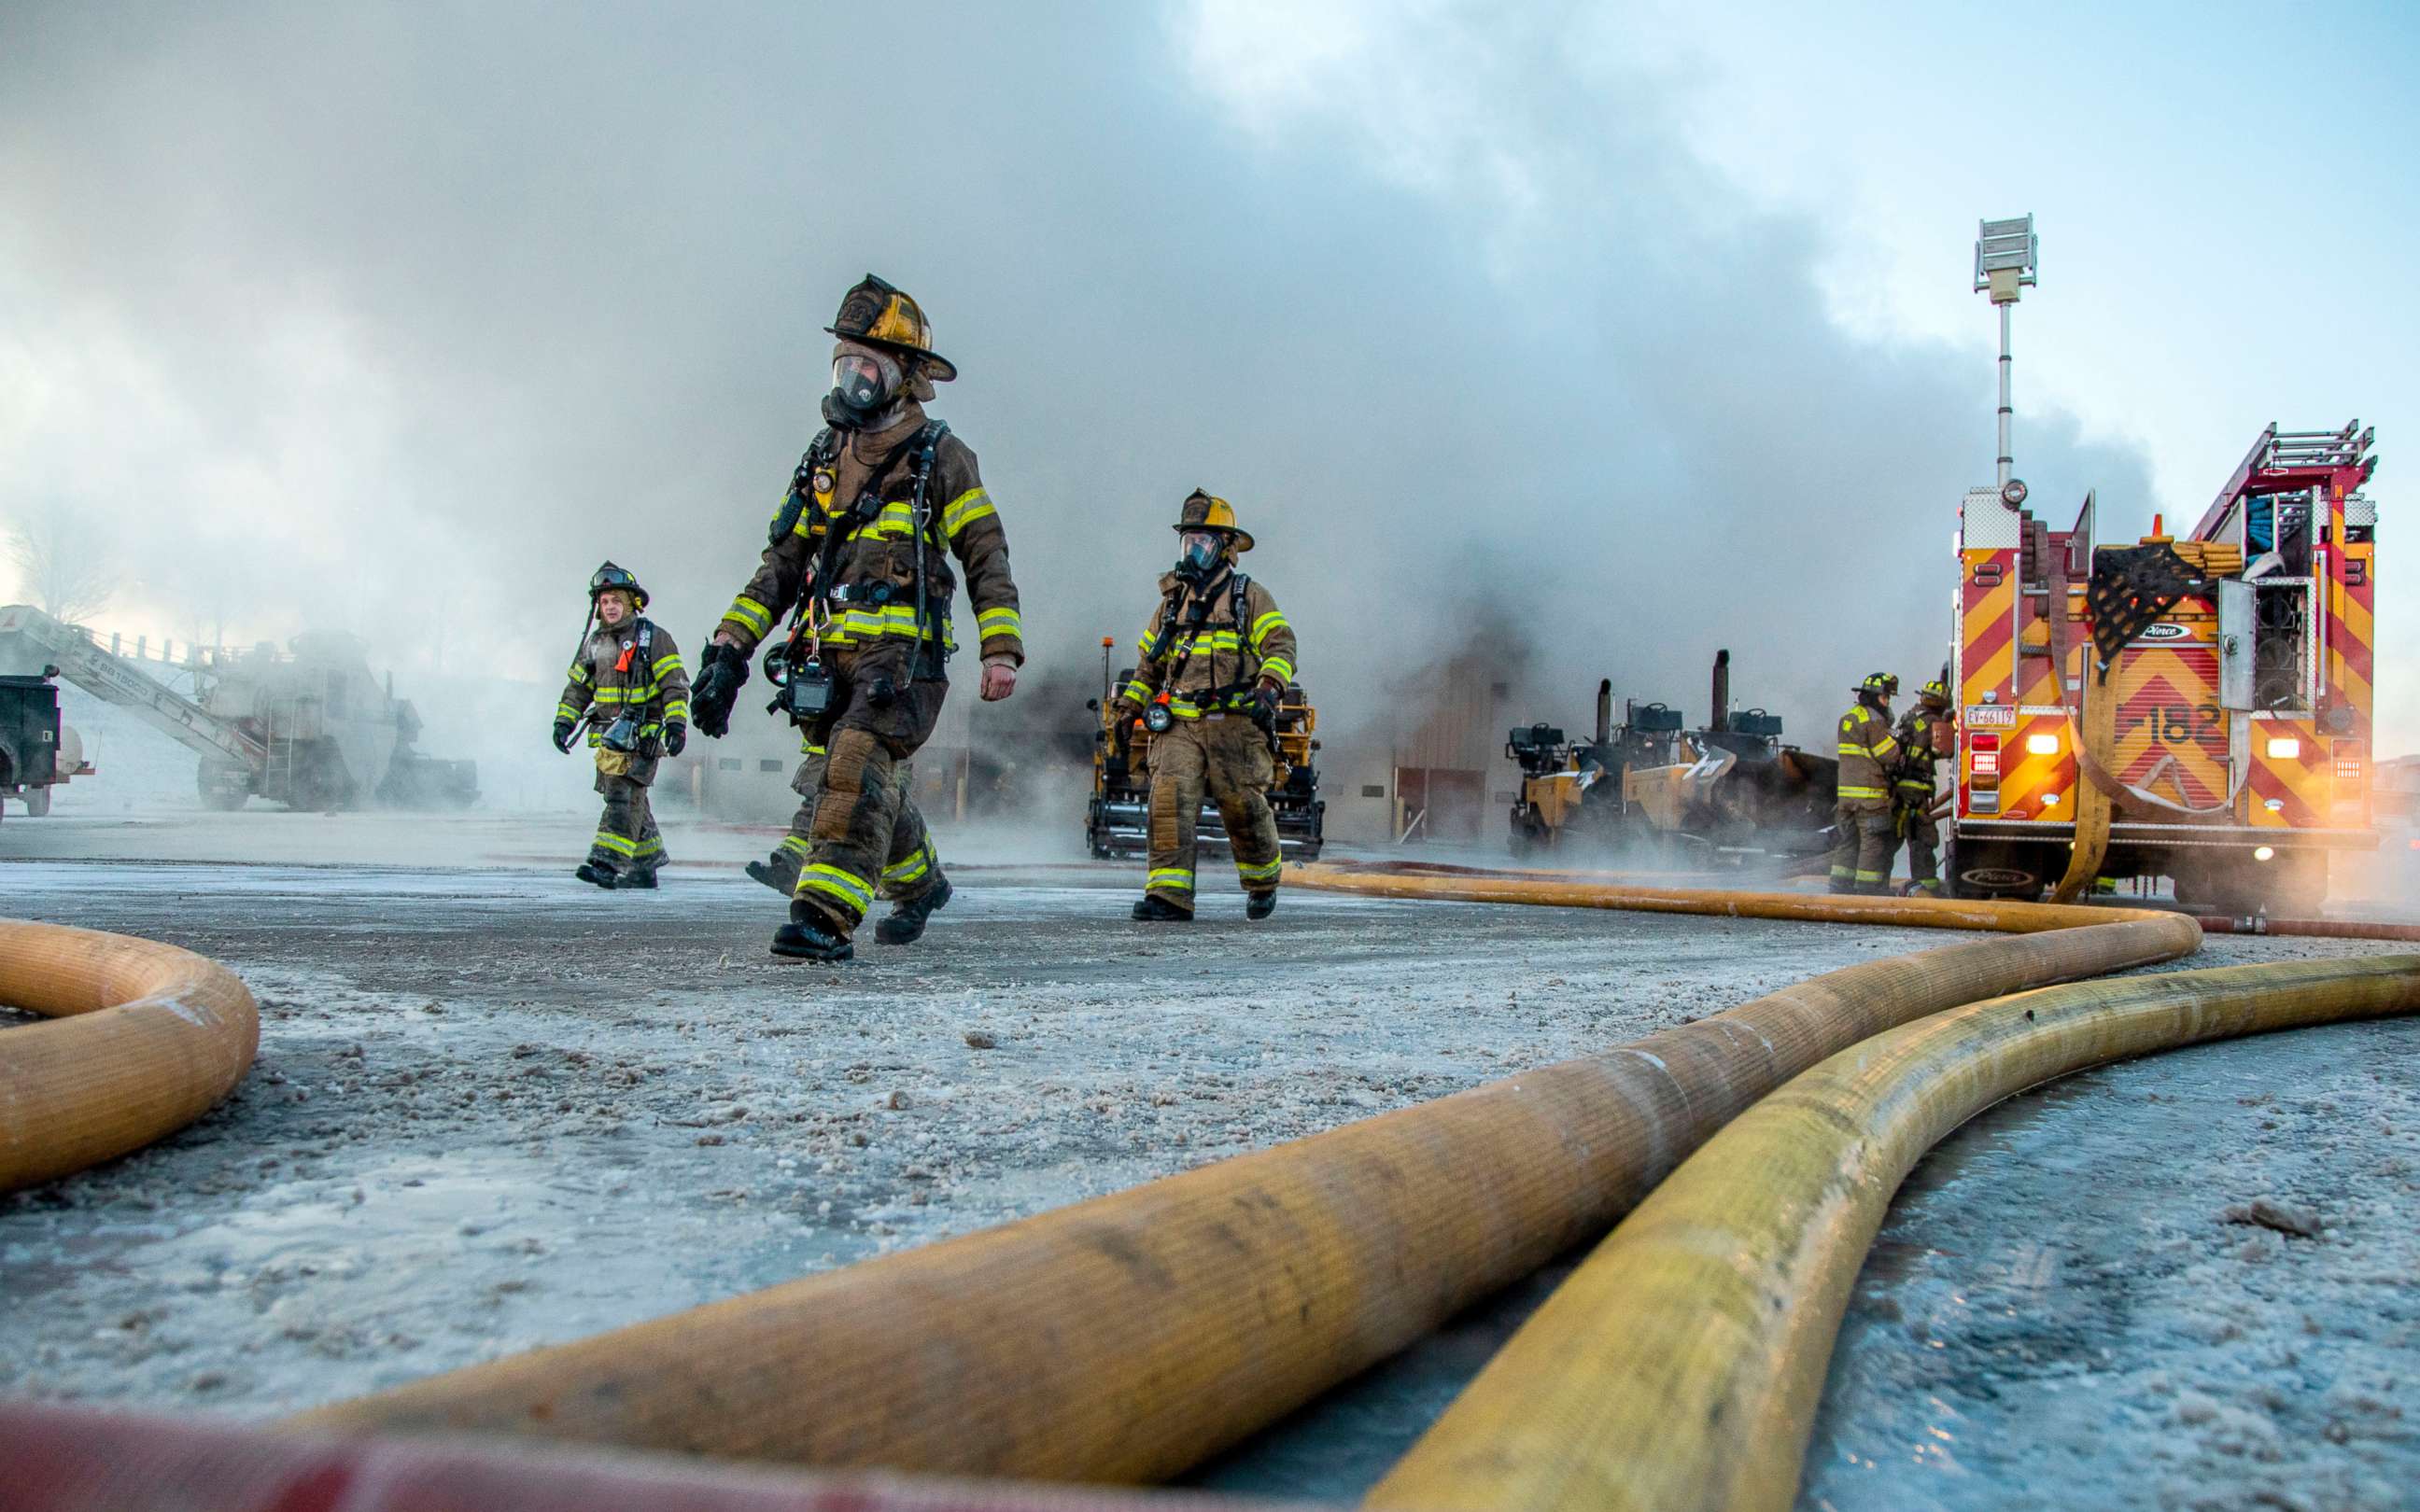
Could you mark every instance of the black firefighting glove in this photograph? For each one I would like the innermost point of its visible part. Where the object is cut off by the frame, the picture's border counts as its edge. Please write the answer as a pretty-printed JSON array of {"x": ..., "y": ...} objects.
[
  {"x": 562, "y": 729},
  {"x": 675, "y": 737},
  {"x": 716, "y": 689},
  {"x": 1265, "y": 698}
]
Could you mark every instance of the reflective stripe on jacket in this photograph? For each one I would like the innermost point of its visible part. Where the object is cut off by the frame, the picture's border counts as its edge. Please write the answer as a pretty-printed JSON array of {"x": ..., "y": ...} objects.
[
  {"x": 1219, "y": 651},
  {"x": 1867, "y": 748},
  {"x": 875, "y": 564},
  {"x": 1921, "y": 732},
  {"x": 653, "y": 688}
]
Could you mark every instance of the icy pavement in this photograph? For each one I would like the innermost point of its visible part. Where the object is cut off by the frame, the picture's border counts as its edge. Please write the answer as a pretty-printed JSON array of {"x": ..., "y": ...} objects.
[{"x": 497, "y": 1108}]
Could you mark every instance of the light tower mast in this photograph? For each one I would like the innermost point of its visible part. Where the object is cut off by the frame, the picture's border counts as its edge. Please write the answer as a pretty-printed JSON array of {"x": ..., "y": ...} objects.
[{"x": 2006, "y": 256}]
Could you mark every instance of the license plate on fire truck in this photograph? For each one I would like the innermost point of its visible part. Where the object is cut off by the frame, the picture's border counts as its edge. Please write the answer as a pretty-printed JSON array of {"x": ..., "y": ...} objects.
[{"x": 1991, "y": 716}]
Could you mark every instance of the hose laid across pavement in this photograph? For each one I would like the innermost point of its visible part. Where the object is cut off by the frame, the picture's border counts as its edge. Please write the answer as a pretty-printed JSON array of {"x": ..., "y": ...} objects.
[
  {"x": 1130, "y": 1337},
  {"x": 142, "y": 1040},
  {"x": 1679, "y": 1367}
]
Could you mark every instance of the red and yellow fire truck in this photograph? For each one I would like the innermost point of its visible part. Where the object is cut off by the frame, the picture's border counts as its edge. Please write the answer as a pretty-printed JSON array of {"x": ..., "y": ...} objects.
[{"x": 2197, "y": 709}]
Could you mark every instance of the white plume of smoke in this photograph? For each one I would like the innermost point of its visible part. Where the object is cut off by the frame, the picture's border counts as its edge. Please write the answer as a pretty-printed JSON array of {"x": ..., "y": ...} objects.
[{"x": 399, "y": 319}]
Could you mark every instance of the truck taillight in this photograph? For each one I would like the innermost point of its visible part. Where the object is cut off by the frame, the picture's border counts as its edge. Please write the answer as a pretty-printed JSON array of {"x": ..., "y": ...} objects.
[{"x": 1984, "y": 742}]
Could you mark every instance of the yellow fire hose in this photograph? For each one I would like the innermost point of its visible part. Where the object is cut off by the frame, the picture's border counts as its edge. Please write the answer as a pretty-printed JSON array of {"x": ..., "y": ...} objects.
[
  {"x": 2098, "y": 740},
  {"x": 1130, "y": 1337},
  {"x": 1679, "y": 1367},
  {"x": 142, "y": 1039},
  {"x": 1828, "y": 908}
]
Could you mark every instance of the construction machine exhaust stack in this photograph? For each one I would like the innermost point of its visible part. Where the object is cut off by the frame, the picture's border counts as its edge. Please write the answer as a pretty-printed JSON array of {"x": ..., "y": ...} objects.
[{"x": 1720, "y": 794}]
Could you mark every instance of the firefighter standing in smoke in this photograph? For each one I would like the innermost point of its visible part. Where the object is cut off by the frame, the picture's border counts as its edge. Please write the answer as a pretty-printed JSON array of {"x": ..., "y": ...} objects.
[
  {"x": 1924, "y": 737},
  {"x": 1861, "y": 856},
  {"x": 859, "y": 558},
  {"x": 1215, "y": 658},
  {"x": 627, "y": 678}
]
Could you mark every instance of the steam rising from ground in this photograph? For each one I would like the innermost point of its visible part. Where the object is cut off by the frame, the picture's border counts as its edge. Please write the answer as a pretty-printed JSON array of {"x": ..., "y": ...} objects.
[{"x": 399, "y": 319}]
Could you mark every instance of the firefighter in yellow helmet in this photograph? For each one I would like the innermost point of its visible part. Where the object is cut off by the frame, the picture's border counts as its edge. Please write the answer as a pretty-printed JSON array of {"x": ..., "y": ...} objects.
[
  {"x": 858, "y": 563},
  {"x": 1926, "y": 735},
  {"x": 1861, "y": 817},
  {"x": 1210, "y": 670},
  {"x": 626, "y": 681}
]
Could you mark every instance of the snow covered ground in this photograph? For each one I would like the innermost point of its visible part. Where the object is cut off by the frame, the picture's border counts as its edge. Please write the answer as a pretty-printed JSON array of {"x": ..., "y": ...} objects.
[{"x": 495, "y": 1108}]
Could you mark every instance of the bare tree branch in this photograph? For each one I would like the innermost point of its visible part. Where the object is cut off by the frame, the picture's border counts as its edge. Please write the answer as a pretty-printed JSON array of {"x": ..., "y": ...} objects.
[{"x": 63, "y": 563}]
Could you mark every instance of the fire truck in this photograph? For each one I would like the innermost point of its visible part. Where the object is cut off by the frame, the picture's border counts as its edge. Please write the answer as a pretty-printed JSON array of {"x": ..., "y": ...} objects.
[{"x": 2194, "y": 708}]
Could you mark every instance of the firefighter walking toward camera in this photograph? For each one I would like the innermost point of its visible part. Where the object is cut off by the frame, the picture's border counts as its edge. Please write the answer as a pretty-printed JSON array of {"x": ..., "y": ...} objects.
[
  {"x": 1861, "y": 854},
  {"x": 1925, "y": 735},
  {"x": 858, "y": 560},
  {"x": 1210, "y": 672},
  {"x": 628, "y": 685}
]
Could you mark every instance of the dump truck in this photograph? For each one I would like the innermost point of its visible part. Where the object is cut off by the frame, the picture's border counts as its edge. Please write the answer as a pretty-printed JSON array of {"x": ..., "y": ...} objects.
[
  {"x": 1726, "y": 792},
  {"x": 38, "y": 752},
  {"x": 2195, "y": 708},
  {"x": 307, "y": 726},
  {"x": 1117, "y": 820}
]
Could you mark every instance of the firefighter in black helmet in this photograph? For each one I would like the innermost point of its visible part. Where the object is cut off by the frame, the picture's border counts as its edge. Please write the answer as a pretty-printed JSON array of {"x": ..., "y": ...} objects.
[
  {"x": 627, "y": 681},
  {"x": 1926, "y": 735},
  {"x": 858, "y": 563},
  {"x": 1861, "y": 817}
]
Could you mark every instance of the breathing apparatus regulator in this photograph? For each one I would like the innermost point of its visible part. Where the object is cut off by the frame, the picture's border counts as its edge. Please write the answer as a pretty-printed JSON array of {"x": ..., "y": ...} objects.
[{"x": 865, "y": 384}]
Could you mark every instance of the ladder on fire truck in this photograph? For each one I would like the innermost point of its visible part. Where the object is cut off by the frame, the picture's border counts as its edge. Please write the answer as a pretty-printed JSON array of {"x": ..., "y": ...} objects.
[{"x": 2279, "y": 460}]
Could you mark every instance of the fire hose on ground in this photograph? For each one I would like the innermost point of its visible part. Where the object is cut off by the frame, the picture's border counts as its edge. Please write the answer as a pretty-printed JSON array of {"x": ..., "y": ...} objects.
[
  {"x": 1131, "y": 1336},
  {"x": 1679, "y": 1367},
  {"x": 141, "y": 1039}
]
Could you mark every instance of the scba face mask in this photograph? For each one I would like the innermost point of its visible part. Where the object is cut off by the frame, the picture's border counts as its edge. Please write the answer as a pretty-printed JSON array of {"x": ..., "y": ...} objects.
[
  {"x": 1199, "y": 552},
  {"x": 864, "y": 383}
]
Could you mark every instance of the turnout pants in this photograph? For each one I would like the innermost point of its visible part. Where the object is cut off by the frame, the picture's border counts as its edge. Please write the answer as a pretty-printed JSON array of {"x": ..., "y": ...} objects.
[
  {"x": 1228, "y": 758},
  {"x": 1922, "y": 833},
  {"x": 864, "y": 836},
  {"x": 628, "y": 842},
  {"x": 912, "y": 866},
  {"x": 1861, "y": 857}
]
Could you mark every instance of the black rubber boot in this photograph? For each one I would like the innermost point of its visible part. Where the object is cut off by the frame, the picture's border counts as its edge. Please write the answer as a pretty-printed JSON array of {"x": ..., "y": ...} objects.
[
  {"x": 1260, "y": 904},
  {"x": 1153, "y": 910},
  {"x": 774, "y": 875},
  {"x": 906, "y": 923},
  {"x": 643, "y": 879},
  {"x": 810, "y": 936},
  {"x": 591, "y": 872}
]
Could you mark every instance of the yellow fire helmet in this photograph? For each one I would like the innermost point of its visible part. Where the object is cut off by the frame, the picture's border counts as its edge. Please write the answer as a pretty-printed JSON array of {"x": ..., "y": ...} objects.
[
  {"x": 1935, "y": 691},
  {"x": 880, "y": 316},
  {"x": 1206, "y": 512}
]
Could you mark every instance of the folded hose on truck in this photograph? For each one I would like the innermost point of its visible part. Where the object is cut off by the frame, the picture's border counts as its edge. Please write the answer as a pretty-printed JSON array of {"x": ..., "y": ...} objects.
[
  {"x": 142, "y": 1040},
  {"x": 1131, "y": 1336},
  {"x": 1679, "y": 1367}
]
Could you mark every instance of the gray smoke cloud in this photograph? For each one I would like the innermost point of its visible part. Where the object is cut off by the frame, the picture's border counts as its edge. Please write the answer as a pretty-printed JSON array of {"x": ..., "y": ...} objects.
[{"x": 398, "y": 318}]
